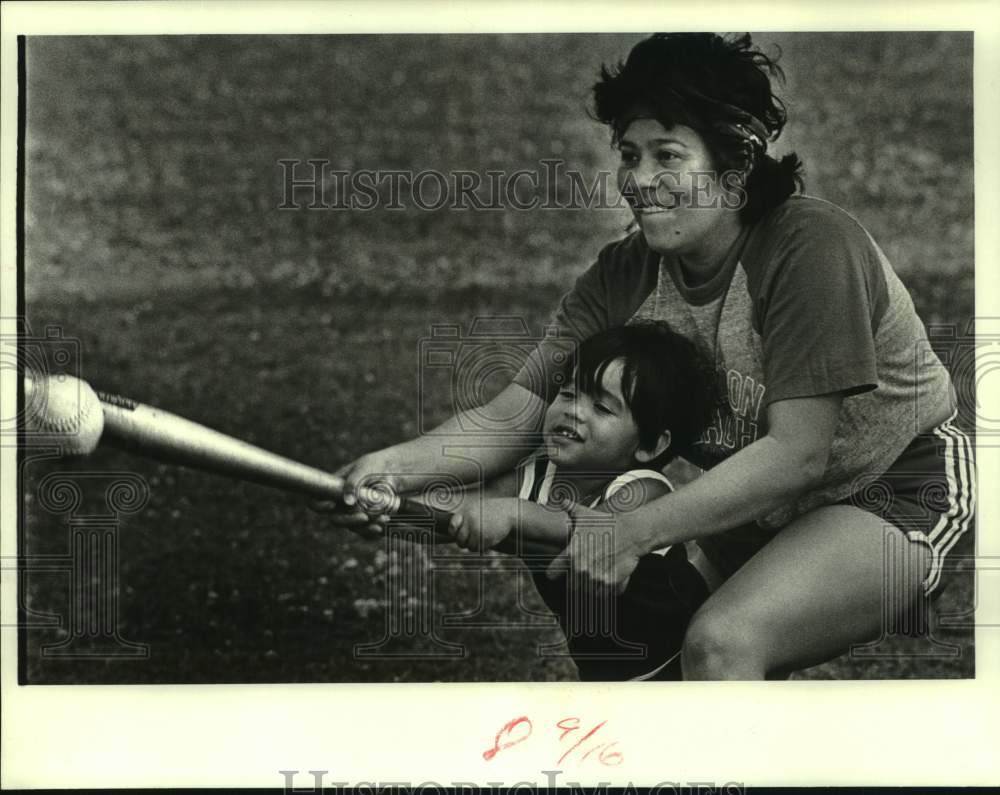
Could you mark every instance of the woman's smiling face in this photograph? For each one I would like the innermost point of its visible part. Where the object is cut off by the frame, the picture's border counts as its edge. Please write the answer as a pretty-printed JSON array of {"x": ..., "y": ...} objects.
[{"x": 669, "y": 180}]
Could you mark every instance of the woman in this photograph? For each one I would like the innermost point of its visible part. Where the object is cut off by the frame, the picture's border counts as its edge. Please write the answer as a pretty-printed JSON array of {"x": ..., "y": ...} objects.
[{"x": 833, "y": 392}]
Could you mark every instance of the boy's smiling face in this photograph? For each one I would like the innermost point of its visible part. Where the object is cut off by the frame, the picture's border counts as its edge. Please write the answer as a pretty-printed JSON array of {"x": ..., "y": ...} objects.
[{"x": 592, "y": 433}]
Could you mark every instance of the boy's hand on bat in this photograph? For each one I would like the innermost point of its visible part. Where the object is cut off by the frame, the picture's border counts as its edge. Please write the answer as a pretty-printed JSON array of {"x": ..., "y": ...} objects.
[{"x": 483, "y": 526}]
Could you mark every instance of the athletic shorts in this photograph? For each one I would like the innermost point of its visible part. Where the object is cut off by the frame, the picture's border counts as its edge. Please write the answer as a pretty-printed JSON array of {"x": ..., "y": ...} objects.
[{"x": 929, "y": 493}]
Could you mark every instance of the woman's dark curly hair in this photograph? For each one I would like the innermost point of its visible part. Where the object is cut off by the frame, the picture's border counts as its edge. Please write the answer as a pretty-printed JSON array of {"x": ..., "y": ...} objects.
[
  {"x": 719, "y": 87},
  {"x": 668, "y": 385}
]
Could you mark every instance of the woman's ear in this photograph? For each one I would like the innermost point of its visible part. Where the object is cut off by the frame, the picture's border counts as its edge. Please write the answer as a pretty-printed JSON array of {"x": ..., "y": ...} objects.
[{"x": 644, "y": 456}]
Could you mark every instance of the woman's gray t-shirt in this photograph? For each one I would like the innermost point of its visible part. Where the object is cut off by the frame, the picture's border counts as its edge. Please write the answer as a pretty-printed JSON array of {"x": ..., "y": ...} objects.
[{"x": 807, "y": 304}]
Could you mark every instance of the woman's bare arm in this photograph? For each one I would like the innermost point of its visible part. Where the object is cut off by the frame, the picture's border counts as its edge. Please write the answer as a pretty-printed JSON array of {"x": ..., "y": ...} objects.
[
  {"x": 460, "y": 447},
  {"x": 757, "y": 480}
]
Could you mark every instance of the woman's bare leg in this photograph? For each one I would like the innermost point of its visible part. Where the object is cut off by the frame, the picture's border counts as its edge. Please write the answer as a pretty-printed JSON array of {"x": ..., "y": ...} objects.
[{"x": 816, "y": 589}]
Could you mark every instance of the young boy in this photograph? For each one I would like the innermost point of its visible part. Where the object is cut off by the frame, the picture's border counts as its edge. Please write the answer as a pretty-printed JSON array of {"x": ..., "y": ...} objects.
[{"x": 636, "y": 396}]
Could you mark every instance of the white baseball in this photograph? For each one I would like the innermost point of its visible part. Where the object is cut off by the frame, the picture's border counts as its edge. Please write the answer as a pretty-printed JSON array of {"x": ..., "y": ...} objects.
[{"x": 64, "y": 406}]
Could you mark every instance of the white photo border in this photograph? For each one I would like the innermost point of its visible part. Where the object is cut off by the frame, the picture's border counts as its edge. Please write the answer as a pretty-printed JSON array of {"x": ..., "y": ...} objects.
[{"x": 796, "y": 733}]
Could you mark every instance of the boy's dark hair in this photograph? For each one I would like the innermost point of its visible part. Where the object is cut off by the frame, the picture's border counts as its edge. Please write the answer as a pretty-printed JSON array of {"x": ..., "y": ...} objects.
[
  {"x": 667, "y": 384},
  {"x": 719, "y": 87}
]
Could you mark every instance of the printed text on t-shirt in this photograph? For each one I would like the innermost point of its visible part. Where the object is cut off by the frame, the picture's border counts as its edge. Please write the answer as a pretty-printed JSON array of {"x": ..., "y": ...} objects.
[{"x": 740, "y": 425}]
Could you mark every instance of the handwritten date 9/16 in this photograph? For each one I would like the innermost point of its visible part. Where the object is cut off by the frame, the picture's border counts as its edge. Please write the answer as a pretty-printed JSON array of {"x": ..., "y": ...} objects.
[{"x": 571, "y": 736}]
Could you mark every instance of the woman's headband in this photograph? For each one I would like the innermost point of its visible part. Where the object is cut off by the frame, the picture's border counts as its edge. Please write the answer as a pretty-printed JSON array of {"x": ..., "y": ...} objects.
[{"x": 738, "y": 122}]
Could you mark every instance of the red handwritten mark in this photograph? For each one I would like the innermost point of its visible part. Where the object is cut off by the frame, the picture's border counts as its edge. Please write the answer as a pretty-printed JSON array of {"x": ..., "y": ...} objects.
[
  {"x": 506, "y": 730},
  {"x": 583, "y": 739},
  {"x": 567, "y": 729},
  {"x": 607, "y": 755}
]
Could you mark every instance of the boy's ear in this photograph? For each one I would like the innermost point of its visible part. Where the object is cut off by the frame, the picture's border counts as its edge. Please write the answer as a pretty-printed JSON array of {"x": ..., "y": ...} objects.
[{"x": 644, "y": 456}]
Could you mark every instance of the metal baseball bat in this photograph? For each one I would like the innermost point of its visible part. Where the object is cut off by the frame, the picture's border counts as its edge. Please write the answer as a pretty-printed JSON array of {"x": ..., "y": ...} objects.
[
  {"x": 152, "y": 432},
  {"x": 69, "y": 409},
  {"x": 158, "y": 434}
]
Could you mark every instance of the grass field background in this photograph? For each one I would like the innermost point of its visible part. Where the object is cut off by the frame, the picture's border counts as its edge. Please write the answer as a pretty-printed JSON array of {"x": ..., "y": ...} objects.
[{"x": 154, "y": 238}]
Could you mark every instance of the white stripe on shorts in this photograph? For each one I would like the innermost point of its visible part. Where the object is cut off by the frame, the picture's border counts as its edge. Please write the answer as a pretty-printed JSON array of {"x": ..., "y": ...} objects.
[
  {"x": 966, "y": 462},
  {"x": 961, "y": 478}
]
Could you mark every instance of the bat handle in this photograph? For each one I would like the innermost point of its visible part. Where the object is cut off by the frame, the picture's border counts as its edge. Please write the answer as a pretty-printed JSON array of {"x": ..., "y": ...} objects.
[
  {"x": 417, "y": 521},
  {"x": 403, "y": 511}
]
